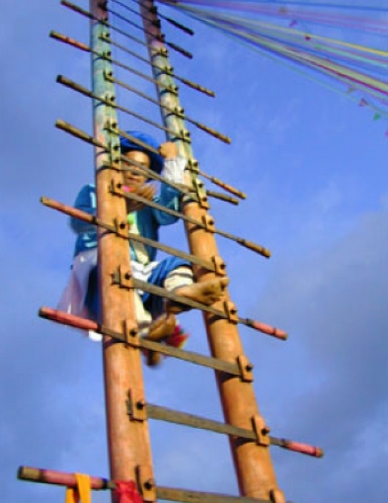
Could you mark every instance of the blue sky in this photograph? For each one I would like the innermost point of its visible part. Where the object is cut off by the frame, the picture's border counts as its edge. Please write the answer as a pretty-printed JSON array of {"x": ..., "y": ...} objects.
[{"x": 314, "y": 167}]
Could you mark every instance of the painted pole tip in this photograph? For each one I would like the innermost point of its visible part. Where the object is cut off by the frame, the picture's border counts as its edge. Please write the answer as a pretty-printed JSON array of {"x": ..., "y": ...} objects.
[
  {"x": 310, "y": 450},
  {"x": 268, "y": 330}
]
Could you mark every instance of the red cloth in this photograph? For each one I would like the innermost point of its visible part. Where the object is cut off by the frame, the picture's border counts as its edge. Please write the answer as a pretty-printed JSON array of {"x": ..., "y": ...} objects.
[
  {"x": 126, "y": 492},
  {"x": 177, "y": 339}
]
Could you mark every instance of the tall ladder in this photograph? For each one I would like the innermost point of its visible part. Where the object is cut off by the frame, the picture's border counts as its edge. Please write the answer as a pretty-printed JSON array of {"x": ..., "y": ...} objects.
[{"x": 127, "y": 408}]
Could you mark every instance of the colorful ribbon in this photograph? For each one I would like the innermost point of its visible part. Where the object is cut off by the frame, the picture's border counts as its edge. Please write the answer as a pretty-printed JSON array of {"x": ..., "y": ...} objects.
[{"x": 280, "y": 30}]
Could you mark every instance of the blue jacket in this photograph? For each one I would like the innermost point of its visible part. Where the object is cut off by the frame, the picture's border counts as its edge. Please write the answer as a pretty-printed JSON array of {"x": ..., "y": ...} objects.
[{"x": 148, "y": 219}]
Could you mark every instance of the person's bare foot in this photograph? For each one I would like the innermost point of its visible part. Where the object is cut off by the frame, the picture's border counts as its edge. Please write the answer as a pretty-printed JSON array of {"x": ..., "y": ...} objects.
[
  {"x": 205, "y": 292},
  {"x": 160, "y": 329}
]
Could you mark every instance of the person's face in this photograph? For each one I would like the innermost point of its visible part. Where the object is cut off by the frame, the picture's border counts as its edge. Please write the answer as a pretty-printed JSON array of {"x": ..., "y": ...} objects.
[{"x": 133, "y": 176}]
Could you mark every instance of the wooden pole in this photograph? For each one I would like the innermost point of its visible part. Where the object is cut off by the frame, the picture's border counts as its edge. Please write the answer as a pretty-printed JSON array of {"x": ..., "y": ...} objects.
[
  {"x": 128, "y": 441},
  {"x": 253, "y": 465}
]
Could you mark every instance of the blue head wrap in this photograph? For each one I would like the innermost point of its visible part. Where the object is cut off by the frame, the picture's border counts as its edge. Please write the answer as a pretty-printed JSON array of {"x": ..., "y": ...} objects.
[{"x": 127, "y": 145}]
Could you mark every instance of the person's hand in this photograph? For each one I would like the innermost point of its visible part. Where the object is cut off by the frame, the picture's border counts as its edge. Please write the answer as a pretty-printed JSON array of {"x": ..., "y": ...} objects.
[
  {"x": 145, "y": 191},
  {"x": 168, "y": 150}
]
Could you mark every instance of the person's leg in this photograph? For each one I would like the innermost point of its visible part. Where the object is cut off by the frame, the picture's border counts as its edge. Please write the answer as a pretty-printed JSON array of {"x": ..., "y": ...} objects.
[
  {"x": 160, "y": 330},
  {"x": 166, "y": 267},
  {"x": 164, "y": 324},
  {"x": 92, "y": 301},
  {"x": 180, "y": 281},
  {"x": 176, "y": 275}
]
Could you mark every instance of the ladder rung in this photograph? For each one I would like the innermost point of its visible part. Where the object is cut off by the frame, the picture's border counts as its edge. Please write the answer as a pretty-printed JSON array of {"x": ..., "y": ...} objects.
[
  {"x": 173, "y": 416},
  {"x": 186, "y": 496},
  {"x": 196, "y": 358},
  {"x": 98, "y": 483},
  {"x": 192, "y": 357},
  {"x": 177, "y": 417}
]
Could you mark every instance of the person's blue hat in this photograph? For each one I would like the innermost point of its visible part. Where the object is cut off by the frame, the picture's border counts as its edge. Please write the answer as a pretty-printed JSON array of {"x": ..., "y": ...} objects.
[{"x": 127, "y": 145}]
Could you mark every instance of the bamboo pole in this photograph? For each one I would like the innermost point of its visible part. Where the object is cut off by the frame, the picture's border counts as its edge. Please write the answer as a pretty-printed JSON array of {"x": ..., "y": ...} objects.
[
  {"x": 253, "y": 465},
  {"x": 128, "y": 441}
]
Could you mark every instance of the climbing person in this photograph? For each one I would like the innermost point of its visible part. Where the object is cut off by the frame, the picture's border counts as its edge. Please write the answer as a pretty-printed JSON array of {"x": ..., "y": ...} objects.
[{"x": 155, "y": 316}]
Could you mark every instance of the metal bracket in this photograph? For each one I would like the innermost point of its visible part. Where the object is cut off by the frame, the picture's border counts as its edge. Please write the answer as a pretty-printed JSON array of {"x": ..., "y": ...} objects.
[
  {"x": 246, "y": 368},
  {"x": 115, "y": 187},
  {"x": 105, "y": 36},
  {"x": 111, "y": 125},
  {"x": 261, "y": 431},
  {"x": 121, "y": 228},
  {"x": 219, "y": 265},
  {"x": 170, "y": 88},
  {"x": 208, "y": 222},
  {"x": 184, "y": 135},
  {"x": 277, "y": 496},
  {"x": 136, "y": 405},
  {"x": 179, "y": 112},
  {"x": 110, "y": 99},
  {"x": 159, "y": 52},
  {"x": 162, "y": 51},
  {"x": 131, "y": 332},
  {"x": 146, "y": 483},
  {"x": 193, "y": 166},
  {"x": 200, "y": 191},
  {"x": 126, "y": 278},
  {"x": 231, "y": 312},
  {"x": 114, "y": 152},
  {"x": 108, "y": 75},
  {"x": 168, "y": 70}
]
